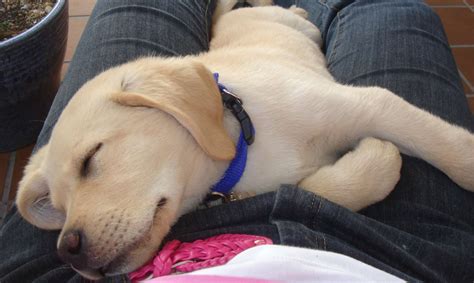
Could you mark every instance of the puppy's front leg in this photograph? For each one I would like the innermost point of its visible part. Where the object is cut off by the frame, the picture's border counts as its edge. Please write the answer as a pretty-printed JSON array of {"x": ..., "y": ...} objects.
[
  {"x": 418, "y": 133},
  {"x": 359, "y": 178}
]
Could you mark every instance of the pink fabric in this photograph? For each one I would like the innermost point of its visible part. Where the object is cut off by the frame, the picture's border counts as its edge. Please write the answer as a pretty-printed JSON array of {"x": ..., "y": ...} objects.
[
  {"x": 206, "y": 278},
  {"x": 187, "y": 257}
]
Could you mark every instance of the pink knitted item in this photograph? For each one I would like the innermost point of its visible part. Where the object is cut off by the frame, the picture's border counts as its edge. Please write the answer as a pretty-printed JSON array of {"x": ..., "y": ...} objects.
[{"x": 186, "y": 257}]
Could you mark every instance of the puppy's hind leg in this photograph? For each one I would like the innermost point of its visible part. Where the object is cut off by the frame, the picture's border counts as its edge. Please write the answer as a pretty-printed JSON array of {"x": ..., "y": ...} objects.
[
  {"x": 225, "y": 6},
  {"x": 360, "y": 178},
  {"x": 296, "y": 20},
  {"x": 257, "y": 3},
  {"x": 299, "y": 11}
]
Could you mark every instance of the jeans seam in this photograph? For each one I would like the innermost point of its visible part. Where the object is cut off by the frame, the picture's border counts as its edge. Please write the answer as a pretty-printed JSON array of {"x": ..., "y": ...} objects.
[
  {"x": 324, "y": 242},
  {"x": 206, "y": 20},
  {"x": 195, "y": 6},
  {"x": 338, "y": 35},
  {"x": 325, "y": 3},
  {"x": 313, "y": 222},
  {"x": 199, "y": 6}
]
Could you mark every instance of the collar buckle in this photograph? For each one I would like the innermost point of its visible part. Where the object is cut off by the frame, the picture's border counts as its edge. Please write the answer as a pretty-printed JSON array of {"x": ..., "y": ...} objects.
[
  {"x": 234, "y": 104},
  {"x": 232, "y": 99}
]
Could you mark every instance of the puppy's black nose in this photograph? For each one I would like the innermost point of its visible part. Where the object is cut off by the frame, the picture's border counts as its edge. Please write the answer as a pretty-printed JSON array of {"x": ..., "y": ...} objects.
[
  {"x": 71, "y": 248},
  {"x": 72, "y": 242}
]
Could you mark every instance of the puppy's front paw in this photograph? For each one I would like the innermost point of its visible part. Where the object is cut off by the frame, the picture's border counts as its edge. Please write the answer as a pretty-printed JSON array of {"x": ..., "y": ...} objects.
[
  {"x": 382, "y": 170},
  {"x": 361, "y": 177},
  {"x": 299, "y": 11}
]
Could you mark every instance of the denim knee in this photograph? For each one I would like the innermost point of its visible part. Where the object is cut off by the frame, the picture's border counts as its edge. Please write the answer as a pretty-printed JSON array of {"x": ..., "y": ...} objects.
[{"x": 423, "y": 11}]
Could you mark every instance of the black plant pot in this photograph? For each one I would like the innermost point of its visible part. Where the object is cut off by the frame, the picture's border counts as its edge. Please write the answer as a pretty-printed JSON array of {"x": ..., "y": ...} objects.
[{"x": 30, "y": 74}]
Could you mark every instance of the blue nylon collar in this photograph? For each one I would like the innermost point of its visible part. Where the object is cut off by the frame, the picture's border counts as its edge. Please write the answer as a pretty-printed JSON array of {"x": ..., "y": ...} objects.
[
  {"x": 237, "y": 166},
  {"x": 235, "y": 170}
]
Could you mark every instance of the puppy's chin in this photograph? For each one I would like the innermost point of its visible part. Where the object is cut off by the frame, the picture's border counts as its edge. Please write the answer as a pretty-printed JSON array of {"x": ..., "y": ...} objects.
[
  {"x": 126, "y": 264},
  {"x": 141, "y": 253},
  {"x": 90, "y": 274},
  {"x": 122, "y": 265}
]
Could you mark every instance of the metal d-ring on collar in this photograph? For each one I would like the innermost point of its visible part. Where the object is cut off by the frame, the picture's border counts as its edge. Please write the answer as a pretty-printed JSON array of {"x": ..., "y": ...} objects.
[{"x": 215, "y": 198}]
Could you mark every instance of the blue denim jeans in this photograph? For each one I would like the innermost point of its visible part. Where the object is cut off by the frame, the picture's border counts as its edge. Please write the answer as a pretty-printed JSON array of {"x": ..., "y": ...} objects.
[{"x": 424, "y": 231}]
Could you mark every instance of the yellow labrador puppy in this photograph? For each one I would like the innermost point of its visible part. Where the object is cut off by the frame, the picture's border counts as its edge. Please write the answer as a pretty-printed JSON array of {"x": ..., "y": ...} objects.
[{"x": 142, "y": 143}]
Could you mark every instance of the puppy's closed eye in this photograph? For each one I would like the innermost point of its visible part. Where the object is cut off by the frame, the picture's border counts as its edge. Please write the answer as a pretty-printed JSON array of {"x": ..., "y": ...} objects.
[{"x": 86, "y": 162}]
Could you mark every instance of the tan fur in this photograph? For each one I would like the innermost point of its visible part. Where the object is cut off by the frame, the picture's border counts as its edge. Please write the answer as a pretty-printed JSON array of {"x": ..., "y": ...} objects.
[
  {"x": 164, "y": 134},
  {"x": 200, "y": 110}
]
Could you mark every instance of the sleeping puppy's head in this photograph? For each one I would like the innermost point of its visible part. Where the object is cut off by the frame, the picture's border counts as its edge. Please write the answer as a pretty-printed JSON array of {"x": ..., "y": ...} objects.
[{"x": 126, "y": 158}]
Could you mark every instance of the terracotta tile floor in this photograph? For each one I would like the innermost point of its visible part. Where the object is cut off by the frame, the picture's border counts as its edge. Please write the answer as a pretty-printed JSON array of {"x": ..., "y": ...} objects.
[{"x": 457, "y": 17}]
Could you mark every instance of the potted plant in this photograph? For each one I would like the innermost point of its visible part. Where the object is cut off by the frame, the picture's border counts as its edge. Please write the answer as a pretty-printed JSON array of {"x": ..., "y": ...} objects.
[{"x": 33, "y": 35}]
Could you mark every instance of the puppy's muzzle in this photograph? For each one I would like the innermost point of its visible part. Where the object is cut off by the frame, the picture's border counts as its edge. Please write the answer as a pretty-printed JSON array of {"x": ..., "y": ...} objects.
[{"x": 73, "y": 250}]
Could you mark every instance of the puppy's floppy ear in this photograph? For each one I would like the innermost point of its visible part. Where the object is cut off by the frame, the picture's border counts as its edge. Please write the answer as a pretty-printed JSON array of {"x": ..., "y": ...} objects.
[
  {"x": 189, "y": 93},
  {"x": 33, "y": 200}
]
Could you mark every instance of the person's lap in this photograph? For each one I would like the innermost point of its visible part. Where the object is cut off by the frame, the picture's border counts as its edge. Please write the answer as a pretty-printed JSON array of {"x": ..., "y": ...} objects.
[{"x": 394, "y": 44}]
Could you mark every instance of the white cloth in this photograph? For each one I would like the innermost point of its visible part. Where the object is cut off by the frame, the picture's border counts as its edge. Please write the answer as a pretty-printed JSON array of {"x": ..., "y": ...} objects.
[{"x": 292, "y": 264}]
